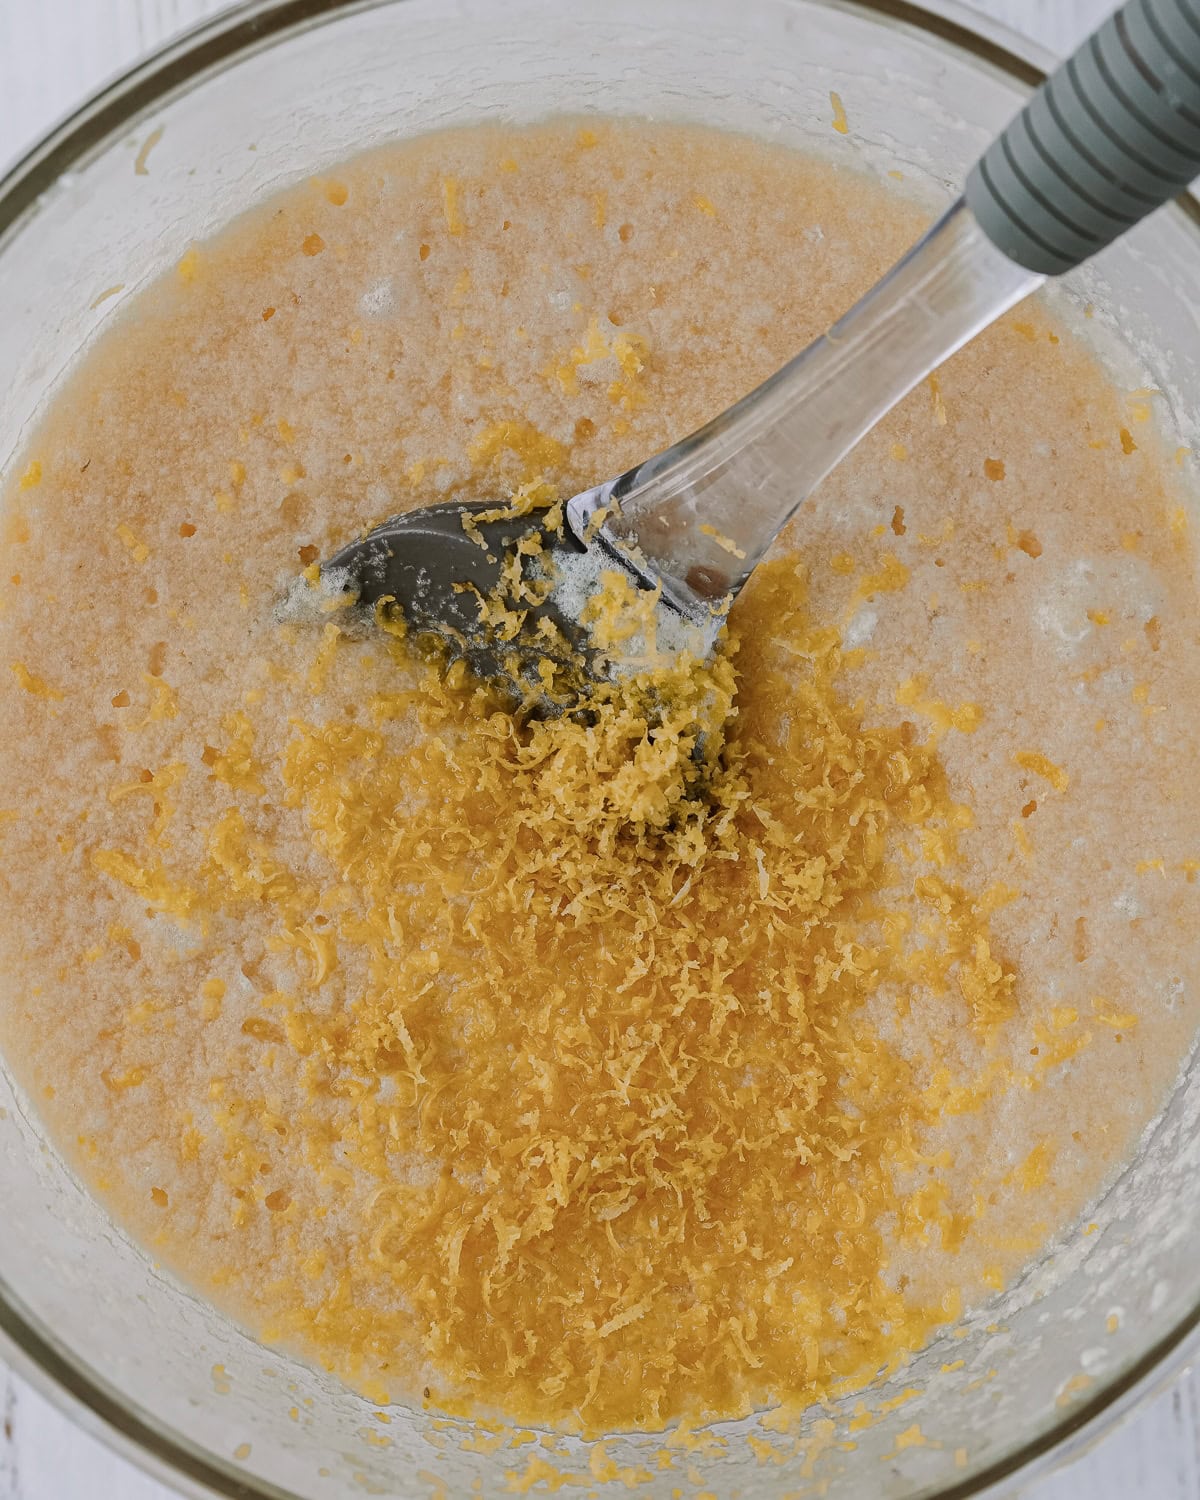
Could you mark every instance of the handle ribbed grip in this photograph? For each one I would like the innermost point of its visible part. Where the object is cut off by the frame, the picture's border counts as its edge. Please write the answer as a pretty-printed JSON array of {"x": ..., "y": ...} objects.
[{"x": 1111, "y": 135}]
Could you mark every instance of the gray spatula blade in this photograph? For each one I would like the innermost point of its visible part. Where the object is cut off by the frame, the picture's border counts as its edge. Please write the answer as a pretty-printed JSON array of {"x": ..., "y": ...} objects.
[{"x": 436, "y": 570}]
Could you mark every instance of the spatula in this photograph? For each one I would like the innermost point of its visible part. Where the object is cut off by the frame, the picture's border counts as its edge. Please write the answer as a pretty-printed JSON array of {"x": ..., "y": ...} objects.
[{"x": 1108, "y": 138}]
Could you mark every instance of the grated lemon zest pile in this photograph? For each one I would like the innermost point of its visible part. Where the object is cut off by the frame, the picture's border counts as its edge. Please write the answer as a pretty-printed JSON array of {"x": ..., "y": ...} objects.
[{"x": 592, "y": 993}]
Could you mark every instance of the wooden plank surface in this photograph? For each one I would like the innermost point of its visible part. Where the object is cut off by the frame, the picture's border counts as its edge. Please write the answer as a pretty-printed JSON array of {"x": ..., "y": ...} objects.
[{"x": 52, "y": 52}]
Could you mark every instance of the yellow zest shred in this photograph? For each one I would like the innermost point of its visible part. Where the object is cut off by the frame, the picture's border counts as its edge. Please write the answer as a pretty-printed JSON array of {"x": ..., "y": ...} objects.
[
  {"x": 138, "y": 549},
  {"x": 235, "y": 765},
  {"x": 537, "y": 452},
  {"x": 149, "y": 881},
  {"x": 937, "y": 400},
  {"x": 1034, "y": 1170},
  {"x": 140, "y": 169},
  {"x": 889, "y": 578},
  {"x": 451, "y": 207},
  {"x": 188, "y": 266},
  {"x": 725, "y": 542},
  {"x": 1041, "y": 765},
  {"x": 165, "y": 700},
  {"x": 914, "y": 693},
  {"x": 1108, "y": 1015},
  {"x": 625, "y": 352},
  {"x": 33, "y": 684}
]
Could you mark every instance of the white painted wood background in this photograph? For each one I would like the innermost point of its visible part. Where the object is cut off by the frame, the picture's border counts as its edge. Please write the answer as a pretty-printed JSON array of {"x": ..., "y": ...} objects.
[{"x": 52, "y": 52}]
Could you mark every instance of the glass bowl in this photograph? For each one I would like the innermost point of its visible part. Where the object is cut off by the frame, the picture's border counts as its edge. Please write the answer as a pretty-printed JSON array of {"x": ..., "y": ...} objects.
[{"x": 278, "y": 90}]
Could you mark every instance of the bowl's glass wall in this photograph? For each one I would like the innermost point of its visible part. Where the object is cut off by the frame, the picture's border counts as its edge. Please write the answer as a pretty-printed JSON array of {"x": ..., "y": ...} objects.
[{"x": 270, "y": 113}]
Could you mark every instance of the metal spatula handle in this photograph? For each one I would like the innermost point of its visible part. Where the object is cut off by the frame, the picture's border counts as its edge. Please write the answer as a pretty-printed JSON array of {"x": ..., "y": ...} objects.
[{"x": 1109, "y": 137}]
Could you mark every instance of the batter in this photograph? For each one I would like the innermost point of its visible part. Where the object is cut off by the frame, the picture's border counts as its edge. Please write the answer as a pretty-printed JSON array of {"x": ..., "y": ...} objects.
[{"x": 669, "y": 1066}]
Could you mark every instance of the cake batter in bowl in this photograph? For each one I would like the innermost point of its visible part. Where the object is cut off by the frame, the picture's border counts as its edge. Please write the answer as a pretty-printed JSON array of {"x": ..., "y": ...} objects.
[{"x": 960, "y": 532}]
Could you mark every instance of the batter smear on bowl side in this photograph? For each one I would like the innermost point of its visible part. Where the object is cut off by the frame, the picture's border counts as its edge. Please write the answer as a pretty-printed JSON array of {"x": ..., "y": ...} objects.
[{"x": 701, "y": 1053}]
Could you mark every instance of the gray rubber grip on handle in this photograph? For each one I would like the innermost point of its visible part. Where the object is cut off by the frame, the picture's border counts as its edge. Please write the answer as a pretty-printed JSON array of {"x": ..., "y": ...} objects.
[{"x": 1111, "y": 135}]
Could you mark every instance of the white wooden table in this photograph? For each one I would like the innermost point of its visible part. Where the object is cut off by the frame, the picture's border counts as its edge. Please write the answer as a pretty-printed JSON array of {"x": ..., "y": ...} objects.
[{"x": 52, "y": 52}]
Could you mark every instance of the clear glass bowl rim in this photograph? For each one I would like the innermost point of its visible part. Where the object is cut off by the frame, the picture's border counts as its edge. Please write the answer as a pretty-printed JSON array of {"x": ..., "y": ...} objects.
[{"x": 81, "y": 1393}]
